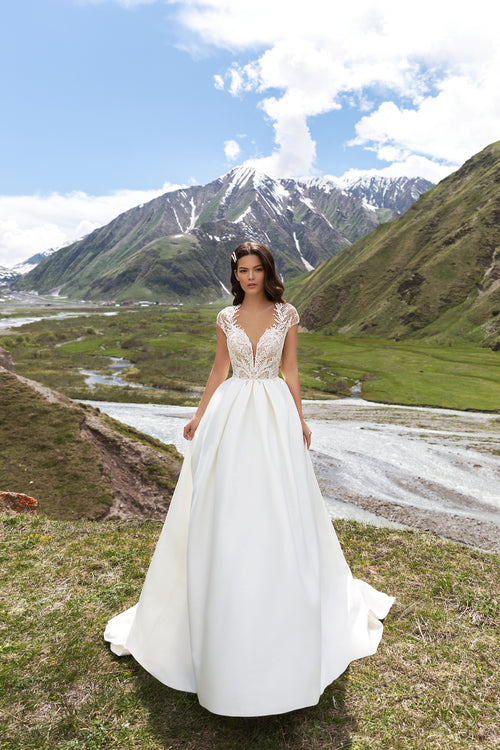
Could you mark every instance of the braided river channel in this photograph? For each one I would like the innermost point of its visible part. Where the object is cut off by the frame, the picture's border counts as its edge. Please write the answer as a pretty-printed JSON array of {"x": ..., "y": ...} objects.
[{"x": 432, "y": 469}]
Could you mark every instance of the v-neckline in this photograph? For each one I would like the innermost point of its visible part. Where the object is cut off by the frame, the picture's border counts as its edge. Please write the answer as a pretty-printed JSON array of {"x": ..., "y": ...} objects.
[{"x": 268, "y": 328}]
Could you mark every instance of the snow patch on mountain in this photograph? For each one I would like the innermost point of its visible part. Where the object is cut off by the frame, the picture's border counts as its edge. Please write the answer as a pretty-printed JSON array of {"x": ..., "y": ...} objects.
[
  {"x": 192, "y": 222},
  {"x": 374, "y": 191},
  {"x": 306, "y": 263},
  {"x": 177, "y": 219},
  {"x": 238, "y": 177},
  {"x": 246, "y": 212}
]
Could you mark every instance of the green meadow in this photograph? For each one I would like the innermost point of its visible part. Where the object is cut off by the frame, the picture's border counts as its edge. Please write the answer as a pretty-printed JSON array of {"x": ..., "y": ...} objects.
[
  {"x": 170, "y": 351},
  {"x": 404, "y": 372}
]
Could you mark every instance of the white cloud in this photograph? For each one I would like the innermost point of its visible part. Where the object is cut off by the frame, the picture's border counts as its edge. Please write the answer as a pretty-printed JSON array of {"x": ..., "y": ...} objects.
[
  {"x": 219, "y": 82},
  {"x": 33, "y": 223},
  {"x": 433, "y": 72},
  {"x": 232, "y": 150},
  {"x": 463, "y": 117}
]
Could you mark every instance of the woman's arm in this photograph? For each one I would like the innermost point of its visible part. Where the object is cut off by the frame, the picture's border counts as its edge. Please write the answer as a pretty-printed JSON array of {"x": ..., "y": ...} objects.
[
  {"x": 217, "y": 376},
  {"x": 290, "y": 372}
]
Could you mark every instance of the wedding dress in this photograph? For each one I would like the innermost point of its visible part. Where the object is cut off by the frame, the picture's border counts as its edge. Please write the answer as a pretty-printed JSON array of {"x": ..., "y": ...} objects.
[{"x": 248, "y": 600}]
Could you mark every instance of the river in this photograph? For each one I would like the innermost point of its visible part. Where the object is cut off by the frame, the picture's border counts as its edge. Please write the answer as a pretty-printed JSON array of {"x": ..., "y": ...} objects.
[
  {"x": 380, "y": 463},
  {"x": 16, "y": 321}
]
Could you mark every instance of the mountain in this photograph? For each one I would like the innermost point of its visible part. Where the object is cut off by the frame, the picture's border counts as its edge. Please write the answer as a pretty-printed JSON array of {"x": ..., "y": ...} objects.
[
  {"x": 395, "y": 195},
  {"x": 8, "y": 274},
  {"x": 435, "y": 271},
  {"x": 176, "y": 247}
]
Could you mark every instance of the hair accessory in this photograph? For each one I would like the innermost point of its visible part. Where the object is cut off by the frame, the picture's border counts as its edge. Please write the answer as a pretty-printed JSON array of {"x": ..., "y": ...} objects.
[{"x": 234, "y": 258}]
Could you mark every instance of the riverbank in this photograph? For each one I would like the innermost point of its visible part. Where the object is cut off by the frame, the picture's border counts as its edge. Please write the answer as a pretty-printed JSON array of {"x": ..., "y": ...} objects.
[{"x": 431, "y": 469}]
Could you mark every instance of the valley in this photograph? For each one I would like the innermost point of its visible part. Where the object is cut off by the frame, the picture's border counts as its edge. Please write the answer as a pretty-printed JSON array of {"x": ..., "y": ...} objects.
[
  {"x": 397, "y": 284},
  {"x": 171, "y": 350},
  {"x": 420, "y": 463}
]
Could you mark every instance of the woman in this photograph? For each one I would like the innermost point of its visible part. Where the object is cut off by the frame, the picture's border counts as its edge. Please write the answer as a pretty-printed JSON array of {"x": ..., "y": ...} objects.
[{"x": 248, "y": 600}]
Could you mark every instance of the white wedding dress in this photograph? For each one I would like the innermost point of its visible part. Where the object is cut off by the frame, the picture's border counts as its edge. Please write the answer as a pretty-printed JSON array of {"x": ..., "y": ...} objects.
[{"x": 248, "y": 600}]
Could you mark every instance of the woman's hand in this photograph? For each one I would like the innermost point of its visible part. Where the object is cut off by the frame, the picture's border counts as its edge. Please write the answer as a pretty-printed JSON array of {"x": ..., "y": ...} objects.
[
  {"x": 306, "y": 432},
  {"x": 191, "y": 427}
]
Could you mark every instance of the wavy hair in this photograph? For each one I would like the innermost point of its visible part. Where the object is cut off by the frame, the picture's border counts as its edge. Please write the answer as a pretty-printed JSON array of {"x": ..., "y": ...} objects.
[{"x": 273, "y": 286}]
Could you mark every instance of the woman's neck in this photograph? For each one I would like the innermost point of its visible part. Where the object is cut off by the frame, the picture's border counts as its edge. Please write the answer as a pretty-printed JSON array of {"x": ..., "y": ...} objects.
[{"x": 255, "y": 302}]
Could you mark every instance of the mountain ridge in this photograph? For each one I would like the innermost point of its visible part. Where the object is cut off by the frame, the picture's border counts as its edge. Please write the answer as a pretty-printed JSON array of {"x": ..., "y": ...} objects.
[{"x": 176, "y": 246}]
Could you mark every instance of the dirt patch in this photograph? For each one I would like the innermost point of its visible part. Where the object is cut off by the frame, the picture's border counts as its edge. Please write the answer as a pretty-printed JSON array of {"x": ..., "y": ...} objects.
[
  {"x": 6, "y": 360},
  {"x": 142, "y": 479}
]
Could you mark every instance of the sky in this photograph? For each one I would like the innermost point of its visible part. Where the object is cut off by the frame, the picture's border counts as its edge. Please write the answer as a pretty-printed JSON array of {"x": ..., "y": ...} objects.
[{"x": 106, "y": 104}]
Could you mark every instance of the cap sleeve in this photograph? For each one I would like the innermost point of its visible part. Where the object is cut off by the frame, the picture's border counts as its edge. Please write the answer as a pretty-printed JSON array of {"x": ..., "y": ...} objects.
[
  {"x": 223, "y": 320},
  {"x": 292, "y": 316}
]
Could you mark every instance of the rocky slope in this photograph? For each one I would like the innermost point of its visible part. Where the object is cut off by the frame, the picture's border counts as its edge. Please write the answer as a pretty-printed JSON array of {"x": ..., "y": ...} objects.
[{"x": 176, "y": 247}]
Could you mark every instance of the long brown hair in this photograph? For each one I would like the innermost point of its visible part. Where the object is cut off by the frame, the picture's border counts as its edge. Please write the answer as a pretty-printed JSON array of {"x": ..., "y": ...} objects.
[{"x": 273, "y": 286}]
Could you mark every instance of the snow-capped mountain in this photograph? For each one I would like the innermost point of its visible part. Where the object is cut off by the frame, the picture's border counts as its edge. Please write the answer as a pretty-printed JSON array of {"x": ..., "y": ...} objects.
[
  {"x": 177, "y": 246},
  {"x": 396, "y": 194},
  {"x": 393, "y": 193},
  {"x": 8, "y": 274}
]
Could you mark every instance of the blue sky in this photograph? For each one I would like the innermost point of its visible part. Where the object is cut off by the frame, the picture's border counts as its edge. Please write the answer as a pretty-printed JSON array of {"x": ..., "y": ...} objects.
[{"x": 107, "y": 103}]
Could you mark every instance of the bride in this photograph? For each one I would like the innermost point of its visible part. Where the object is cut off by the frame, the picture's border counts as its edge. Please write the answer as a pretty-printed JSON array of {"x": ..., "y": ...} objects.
[{"x": 248, "y": 600}]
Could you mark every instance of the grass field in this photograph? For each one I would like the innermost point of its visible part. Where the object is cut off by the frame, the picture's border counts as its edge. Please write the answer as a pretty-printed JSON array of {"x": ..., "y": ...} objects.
[
  {"x": 171, "y": 352},
  {"x": 433, "y": 684},
  {"x": 404, "y": 372}
]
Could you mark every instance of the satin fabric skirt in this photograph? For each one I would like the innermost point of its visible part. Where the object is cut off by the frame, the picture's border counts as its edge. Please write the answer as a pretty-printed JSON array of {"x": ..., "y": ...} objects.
[{"x": 248, "y": 600}]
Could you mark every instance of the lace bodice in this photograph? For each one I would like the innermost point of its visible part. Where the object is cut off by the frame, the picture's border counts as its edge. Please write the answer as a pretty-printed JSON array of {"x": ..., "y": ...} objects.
[{"x": 266, "y": 362}]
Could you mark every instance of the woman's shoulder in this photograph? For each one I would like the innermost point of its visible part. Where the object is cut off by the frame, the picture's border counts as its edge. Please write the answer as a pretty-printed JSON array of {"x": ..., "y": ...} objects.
[
  {"x": 225, "y": 316},
  {"x": 289, "y": 314}
]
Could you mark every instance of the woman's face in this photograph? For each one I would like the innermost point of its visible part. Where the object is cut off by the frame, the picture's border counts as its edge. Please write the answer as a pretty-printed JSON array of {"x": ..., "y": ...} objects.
[{"x": 250, "y": 274}]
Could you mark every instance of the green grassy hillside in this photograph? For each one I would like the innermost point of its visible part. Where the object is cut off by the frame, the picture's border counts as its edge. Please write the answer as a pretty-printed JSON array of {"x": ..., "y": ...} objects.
[
  {"x": 433, "y": 684},
  {"x": 433, "y": 273},
  {"x": 44, "y": 454}
]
